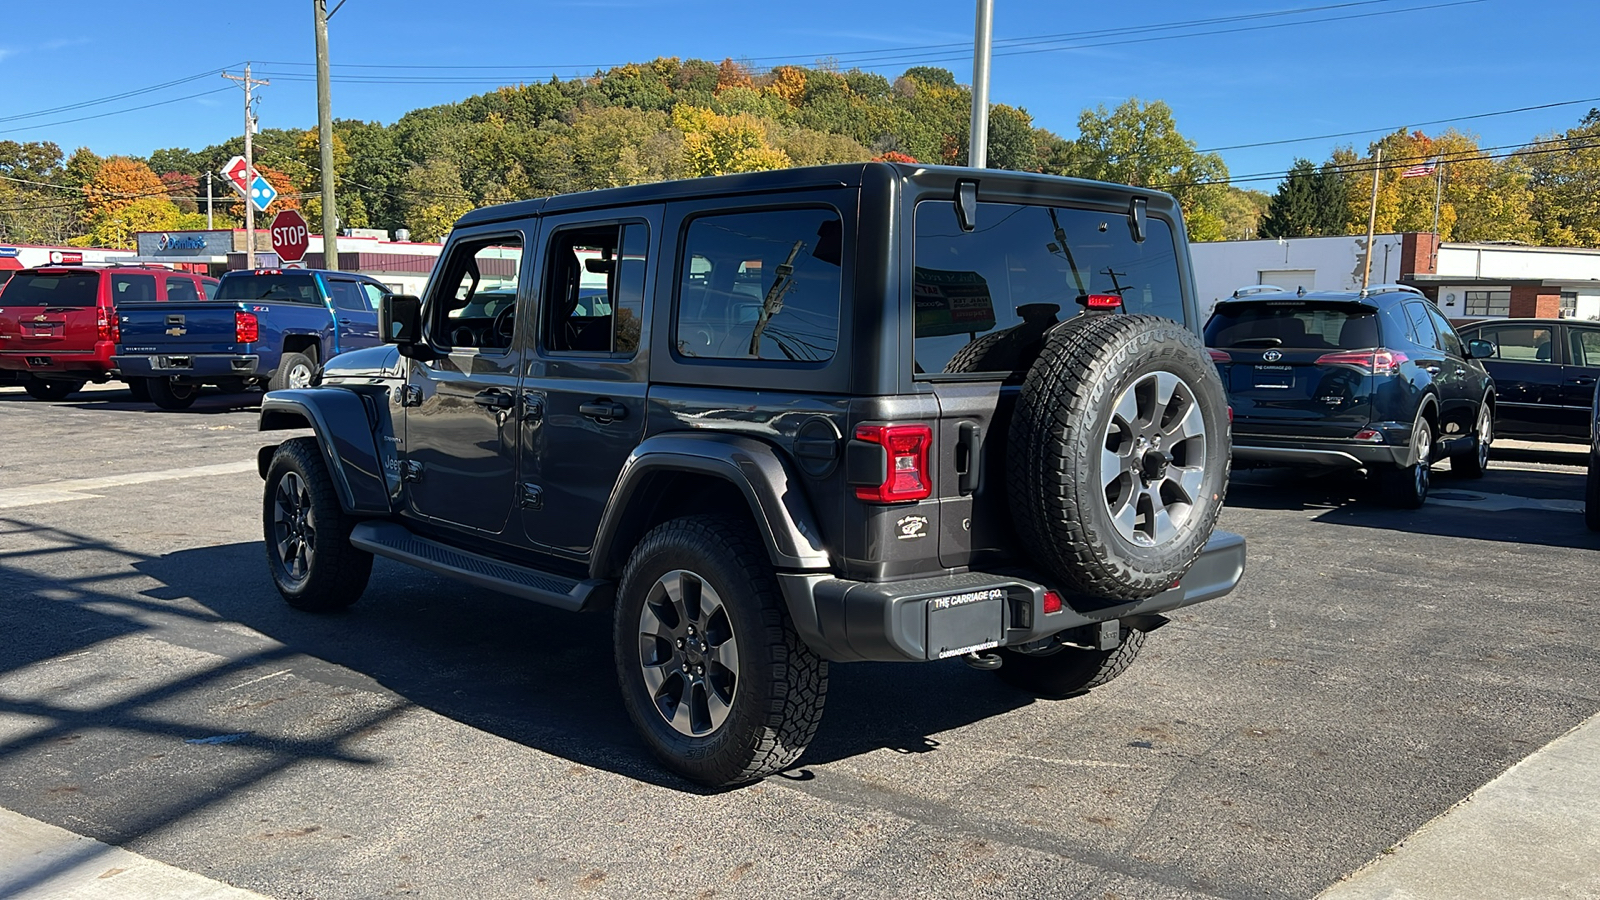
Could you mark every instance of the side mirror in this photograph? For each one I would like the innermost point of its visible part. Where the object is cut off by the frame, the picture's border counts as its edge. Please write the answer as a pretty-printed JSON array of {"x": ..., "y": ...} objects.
[
  {"x": 1480, "y": 349},
  {"x": 400, "y": 319}
]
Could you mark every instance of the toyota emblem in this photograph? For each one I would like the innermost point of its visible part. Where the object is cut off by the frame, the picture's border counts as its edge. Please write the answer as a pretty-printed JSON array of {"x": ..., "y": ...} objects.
[{"x": 1272, "y": 356}]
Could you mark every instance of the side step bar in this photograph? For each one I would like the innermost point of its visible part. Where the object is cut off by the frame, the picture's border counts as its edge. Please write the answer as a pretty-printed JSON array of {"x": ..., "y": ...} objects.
[{"x": 395, "y": 541}]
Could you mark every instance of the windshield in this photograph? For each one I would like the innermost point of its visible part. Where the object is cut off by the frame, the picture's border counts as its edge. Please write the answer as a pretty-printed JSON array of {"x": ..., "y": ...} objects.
[
  {"x": 984, "y": 298},
  {"x": 1293, "y": 325},
  {"x": 294, "y": 287},
  {"x": 53, "y": 289}
]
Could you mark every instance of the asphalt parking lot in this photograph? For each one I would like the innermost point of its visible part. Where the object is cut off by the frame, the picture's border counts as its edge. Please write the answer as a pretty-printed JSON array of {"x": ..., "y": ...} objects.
[{"x": 1375, "y": 667}]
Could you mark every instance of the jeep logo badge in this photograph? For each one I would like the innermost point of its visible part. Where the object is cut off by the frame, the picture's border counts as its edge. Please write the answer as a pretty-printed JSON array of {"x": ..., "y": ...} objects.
[{"x": 1272, "y": 356}]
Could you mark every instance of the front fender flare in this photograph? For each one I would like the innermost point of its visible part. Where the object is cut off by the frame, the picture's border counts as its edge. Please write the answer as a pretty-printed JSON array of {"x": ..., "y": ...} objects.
[
  {"x": 781, "y": 512},
  {"x": 343, "y": 424}
]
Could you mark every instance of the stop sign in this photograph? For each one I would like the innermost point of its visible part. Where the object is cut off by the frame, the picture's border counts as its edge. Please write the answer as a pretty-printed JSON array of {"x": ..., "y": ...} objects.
[{"x": 290, "y": 236}]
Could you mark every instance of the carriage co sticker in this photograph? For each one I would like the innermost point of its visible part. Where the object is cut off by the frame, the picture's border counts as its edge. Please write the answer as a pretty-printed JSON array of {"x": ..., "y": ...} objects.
[{"x": 912, "y": 527}]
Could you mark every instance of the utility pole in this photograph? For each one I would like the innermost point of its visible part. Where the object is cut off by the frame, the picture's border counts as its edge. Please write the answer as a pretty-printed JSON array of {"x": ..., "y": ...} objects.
[
  {"x": 208, "y": 200},
  {"x": 249, "y": 85},
  {"x": 978, "y": 141},
  {"x": 1372, "y": 221},
  {"x": 330, "y": 217}
]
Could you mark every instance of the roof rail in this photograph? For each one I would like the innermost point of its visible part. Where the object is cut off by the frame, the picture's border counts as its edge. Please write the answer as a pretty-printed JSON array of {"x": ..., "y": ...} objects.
[
  {"x": 1386, "y": 288},
  {"x": 1250, "y": 289}
]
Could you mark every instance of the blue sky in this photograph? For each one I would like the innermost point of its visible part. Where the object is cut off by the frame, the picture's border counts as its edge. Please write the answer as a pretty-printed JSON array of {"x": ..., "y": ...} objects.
[{"x": 1351, "y": 71}]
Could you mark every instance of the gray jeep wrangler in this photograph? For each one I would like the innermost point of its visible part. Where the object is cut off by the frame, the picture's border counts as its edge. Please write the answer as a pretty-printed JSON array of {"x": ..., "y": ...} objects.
[{"x": 777, "y": 420}]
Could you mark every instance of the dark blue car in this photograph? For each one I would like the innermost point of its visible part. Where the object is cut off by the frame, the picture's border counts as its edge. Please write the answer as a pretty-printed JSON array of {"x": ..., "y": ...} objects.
[{"x": 1376, "y": 381}]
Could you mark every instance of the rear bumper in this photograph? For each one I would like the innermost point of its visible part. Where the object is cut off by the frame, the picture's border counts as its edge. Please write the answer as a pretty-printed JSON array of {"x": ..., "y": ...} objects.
[
  {"x": 1337, "y": 453},
  {"x": 188, "y": 366},
  {"x": 934, "y": 618},
  {"x": 87, "y": 364}
]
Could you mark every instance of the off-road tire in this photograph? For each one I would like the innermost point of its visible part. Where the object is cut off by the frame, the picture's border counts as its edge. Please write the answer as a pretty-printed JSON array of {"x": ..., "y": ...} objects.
[
  {"x": 292, "y": 368},
  {"x": 169, "y": 394},
  {"x": 1407, "y": 486},
  {"x": 780, "y": 684},
  {"x": 1061, "y": 435},
  {"x": 139, "y": 389},
  {"x": 51, "y": 389},
  {"x": 1474, "y": 460},
  {"x": 1069, "y": 670},
  {"x": 335, "y": 571},
  {"x": 1591, "y": 493}
]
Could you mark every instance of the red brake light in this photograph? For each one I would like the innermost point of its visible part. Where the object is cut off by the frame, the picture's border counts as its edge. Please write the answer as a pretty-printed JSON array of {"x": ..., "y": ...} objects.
[
  {"x": 247, "y": 329},
  {"x": 906, "y": 476},
  {"x": 105, "y": 328},
  {"x": 1052, "y": 602},
  {"x": 1219, "y": 356},
  {"x": 1103, "y": 301},
  {"x": 1373, "y": 362}
]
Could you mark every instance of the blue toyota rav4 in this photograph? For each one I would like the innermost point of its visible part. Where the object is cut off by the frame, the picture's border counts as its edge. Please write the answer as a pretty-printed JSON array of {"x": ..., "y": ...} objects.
[{"x": 1376, "y": 380}]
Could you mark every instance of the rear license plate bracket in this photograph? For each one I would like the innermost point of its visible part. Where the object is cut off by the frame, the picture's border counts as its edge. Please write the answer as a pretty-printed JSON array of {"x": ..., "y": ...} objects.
[
  {"x": 175, "y": 362},
  {"x": 1274, "y": 377},
  {"x": 38, "y": 360},
  {"x": 965, "y": 623}
]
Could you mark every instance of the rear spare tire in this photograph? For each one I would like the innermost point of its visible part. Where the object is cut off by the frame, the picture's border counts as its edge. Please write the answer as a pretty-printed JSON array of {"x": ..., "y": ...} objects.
[{"x": 1117, "y": 459}]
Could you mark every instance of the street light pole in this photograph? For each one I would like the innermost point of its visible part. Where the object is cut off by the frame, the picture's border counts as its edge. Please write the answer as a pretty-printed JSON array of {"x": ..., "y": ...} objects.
[
  {"x": 978, "y": 142},
  {"x": 330, "y": 216}
]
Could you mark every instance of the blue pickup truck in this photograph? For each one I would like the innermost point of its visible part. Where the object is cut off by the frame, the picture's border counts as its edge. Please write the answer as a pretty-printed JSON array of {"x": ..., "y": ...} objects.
[{"x": 268, "y": 327}]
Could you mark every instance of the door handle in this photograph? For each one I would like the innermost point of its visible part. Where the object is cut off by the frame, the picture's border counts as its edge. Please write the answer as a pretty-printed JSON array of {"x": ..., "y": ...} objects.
[
  {"x": 344, "y": 321},
  {"x": 493, "y": 399},
  {"x": 1431, "y": 370},
  {"x": 603, "y": 410},
  {"x": 1583, "y": 381}
]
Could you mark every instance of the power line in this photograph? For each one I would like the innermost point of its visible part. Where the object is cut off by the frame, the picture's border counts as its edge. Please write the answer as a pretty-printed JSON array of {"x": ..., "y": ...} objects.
[
  {"x": 115, "y": 112},
  {"x": 112, "y": 98},
  {"x": 870, "y": 59}
]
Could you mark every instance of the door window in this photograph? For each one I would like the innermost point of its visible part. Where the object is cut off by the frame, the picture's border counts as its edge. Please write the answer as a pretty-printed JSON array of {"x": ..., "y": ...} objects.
[
  {"x": 208, "y": 286},
  {"x": 1520, "y": 343},
  {"x": 1452, "y": 343},
  {"x": 347, "y": 295},
  {"x": 1585, "y": 344},
  {"x": 181, "y": 290},
  {"x": 134, "y": 288},
  {"x": 474, "y": 305},
  {"x": 760, "y": 285},
  {"x": 596, "y": 290},
  {"x": 1427, "y": 336},
  {"x": 374, "y": 294}
]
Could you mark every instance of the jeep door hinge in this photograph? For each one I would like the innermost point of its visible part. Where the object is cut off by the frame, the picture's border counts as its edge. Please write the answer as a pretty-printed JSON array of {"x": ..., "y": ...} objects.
[
  {"x": 410, "y": 395},
  {"x": 411, "y": 470},
  {"x": 532, "y": 496}
]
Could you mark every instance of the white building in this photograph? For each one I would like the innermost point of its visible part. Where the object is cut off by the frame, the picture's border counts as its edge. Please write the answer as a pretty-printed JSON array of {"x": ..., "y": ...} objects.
[{"x": 1468, "y": 281}]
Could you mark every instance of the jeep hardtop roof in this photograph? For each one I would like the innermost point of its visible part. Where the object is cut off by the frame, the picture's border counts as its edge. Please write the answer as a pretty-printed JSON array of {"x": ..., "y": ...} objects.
[{"x": 843, "y": 175}]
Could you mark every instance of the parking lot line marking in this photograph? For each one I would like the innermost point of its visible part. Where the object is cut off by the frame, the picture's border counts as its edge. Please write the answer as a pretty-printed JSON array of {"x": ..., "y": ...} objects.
[
  {"x": 84, "y": 488},
  {"x": 262, "y": 678},
  {"x": 39, "y": 860}
]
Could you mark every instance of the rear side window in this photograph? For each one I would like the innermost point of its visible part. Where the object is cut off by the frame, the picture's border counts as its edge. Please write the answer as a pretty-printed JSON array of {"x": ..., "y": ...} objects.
[
  {"x": 181, "y": 290},
  {"x": 1585, "y": 347},
  {"x": 43, "y": 289},
  {"x": 1422, "y": 326},
  {"x": 209, "y": 287},
  {"x": 133, "y": 288},
  {"x": 290, "y": 287},
  {"x": 1293, "y": 325},
  {"x": 760, "y": 285},
  {"x": 595, "y": 295},
  {"x": 982, "y": 297},
  {"x": 348, "y": 295}
]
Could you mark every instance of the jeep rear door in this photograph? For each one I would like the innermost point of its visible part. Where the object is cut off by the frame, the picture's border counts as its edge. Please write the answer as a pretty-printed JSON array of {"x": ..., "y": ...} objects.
[
  {"x": 462, "y": 414},
  {"x": 984, "y": 298},
  {"x": 584, "y": 393}
]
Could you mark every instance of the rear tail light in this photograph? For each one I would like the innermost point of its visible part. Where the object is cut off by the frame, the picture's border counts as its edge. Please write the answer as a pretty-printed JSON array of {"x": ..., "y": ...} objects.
[
  {"x": 1052, "y": 602},
  {"x": 1373, "y": 362},
  {"x": 1103, "y": 301},
  {"x": 1219, "y": 356},
  {"x": 1369, "y": 436},
  {"x": 106, "y": 327},
  {"x": 246, "y": 328},
  {"x": 906, "y": 476}
]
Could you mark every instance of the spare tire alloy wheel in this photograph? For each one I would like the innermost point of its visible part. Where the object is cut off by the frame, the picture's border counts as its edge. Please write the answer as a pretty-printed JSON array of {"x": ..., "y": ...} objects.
[
  {"x": 1153, "y": 461},
  {"x": 1117, "y": 458},
  {"x": 688, "y": 653}
]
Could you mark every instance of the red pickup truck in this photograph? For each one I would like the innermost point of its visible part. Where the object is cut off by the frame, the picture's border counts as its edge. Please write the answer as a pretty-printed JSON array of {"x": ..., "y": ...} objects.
[{"x": 58, "y": 324}]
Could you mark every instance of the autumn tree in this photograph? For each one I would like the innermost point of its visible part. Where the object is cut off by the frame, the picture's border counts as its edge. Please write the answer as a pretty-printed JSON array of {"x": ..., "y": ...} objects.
[
  {"x": 1564, "y": 182},
  {"x": 720, "y": 145}
]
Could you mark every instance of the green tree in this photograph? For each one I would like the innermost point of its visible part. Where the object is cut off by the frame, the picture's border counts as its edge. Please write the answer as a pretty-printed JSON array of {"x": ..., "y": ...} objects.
[
  {"x": 1564, "y": 172},
  {"x": 1310, "y": 202},
  {"x": 433, "y": 199}
]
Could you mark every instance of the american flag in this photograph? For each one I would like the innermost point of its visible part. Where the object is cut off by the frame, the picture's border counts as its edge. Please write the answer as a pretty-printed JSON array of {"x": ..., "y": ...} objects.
[{"x": 1421, "y": 171}]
